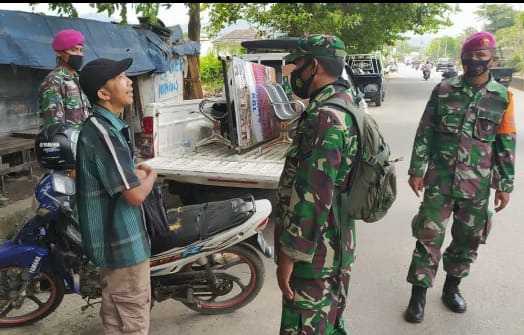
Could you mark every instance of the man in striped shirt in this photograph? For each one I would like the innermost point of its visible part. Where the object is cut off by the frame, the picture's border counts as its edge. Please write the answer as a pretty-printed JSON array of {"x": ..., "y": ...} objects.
[{"x": 110, "y": 191}]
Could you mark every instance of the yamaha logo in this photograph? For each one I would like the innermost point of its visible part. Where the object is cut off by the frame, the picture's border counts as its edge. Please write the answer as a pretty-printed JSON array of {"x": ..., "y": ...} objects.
[{"x": 49, "y": 144}]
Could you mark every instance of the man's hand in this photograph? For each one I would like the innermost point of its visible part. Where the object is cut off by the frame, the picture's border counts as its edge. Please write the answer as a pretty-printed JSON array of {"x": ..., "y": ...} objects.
[
  {"x": 284, "y": 270},
  {"x": 416, "y": 184},
  {"x": 501, "y": 200}
]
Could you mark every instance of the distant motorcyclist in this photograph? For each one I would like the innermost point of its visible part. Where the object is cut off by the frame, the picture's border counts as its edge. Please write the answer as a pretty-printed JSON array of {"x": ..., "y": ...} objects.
[{"x": 426, "y": 70}]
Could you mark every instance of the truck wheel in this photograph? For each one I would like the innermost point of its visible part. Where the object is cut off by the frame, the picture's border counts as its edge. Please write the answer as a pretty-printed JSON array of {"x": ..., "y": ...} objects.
[{"x": 378, "y": 99}]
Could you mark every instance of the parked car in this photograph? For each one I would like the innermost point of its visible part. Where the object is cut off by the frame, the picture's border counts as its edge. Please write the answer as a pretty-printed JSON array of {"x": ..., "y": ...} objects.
[{"x": 443, "y": 64}]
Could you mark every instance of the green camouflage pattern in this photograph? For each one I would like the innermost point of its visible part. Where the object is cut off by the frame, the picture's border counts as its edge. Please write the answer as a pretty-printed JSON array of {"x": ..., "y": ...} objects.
[
  {"x": 60, "y": 95},
  {"x": 318, "y": 160},
  {"x": 456, "y": 139},
  {"x": 316, "y": 308},
  {"x": 318, "y": 45},
  {"x": 470, "y": 218},
  {"x": 309, "y": 227}
]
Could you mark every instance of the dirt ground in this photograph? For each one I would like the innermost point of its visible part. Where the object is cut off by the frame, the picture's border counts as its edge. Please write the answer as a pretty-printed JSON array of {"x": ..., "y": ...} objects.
[{"x": 19, "y": 186}]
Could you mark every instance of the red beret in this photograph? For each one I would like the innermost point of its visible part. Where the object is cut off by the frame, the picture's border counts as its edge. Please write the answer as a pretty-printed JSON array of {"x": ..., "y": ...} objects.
[
  {"x": 67, "y": 39},
  {"x": 479, "y": 41}
]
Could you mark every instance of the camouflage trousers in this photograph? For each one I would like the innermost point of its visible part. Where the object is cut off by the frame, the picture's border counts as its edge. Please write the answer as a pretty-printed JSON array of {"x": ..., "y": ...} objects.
[
  {"x": 468, "y": 230},
  {"x": 317, "y": 306}
]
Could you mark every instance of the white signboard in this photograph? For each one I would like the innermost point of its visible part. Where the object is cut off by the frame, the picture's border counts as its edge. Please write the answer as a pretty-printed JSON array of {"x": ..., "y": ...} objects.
[{"x": 170, "y": 85}]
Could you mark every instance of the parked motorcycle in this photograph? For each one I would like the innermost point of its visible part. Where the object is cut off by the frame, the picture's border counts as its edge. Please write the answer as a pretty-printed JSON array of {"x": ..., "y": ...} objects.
[{"x": 210, "y": 261}]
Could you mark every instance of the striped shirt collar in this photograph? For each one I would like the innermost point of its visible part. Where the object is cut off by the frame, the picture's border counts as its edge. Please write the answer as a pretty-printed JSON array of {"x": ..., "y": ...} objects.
[{"x": 115, "y": 121}]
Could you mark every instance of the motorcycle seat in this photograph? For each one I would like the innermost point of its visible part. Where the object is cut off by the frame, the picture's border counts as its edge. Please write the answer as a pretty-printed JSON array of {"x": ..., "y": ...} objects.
[{"x": 189, "y": 224}]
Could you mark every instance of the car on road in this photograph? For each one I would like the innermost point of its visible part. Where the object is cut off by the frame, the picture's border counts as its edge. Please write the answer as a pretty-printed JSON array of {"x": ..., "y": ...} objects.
[{"x": 443, "y": 64}]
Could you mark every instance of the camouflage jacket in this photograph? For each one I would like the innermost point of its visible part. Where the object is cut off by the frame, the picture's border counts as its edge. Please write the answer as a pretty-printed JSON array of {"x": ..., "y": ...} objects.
[
  {"x": 60, "y": 94},
  {"x": 458, "y": 139},
  {"x": 318, "y": 160}
]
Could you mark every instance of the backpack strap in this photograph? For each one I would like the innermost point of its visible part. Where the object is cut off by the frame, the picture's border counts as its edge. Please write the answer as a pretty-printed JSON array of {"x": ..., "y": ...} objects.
[
  {"x": 360, "y": 119},
  {"x": 357, "y": 112}
]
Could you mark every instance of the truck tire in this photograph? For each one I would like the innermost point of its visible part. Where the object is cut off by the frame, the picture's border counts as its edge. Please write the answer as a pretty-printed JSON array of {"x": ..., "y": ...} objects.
[{"x": 378, "y": 99}]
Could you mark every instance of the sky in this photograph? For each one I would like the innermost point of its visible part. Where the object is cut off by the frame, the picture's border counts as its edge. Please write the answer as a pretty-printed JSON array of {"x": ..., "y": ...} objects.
[{"x": 177, "y": 14}]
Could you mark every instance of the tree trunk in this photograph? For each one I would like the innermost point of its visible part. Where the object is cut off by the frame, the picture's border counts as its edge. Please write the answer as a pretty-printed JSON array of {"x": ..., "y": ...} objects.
[{"x": 192, "y": 81}]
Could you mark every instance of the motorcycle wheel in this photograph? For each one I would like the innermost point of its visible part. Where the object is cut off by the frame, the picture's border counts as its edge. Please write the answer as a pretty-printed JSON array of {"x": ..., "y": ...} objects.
[
  {"x": 239, "y": 272},
  {"x": 42, "y": 296}
]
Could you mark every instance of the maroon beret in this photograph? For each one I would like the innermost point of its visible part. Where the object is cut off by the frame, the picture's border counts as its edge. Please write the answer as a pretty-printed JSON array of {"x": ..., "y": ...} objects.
[
  {"x": 479, "y": 41},
  {"x": 67, "y": 39}
]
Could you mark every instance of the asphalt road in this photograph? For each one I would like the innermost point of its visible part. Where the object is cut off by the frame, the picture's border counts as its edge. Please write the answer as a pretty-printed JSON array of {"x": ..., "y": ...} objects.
[{"x": 379, "y": 293}]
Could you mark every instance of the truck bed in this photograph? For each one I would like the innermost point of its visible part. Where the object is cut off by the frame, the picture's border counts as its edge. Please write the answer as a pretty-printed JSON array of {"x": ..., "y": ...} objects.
[
  {"x": 216, "y": 164},
  {"x": 178, "y": 128}
]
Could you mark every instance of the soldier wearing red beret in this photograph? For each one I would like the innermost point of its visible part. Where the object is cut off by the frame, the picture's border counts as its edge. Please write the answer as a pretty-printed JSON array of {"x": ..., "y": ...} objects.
[
  {"x": 464, "y": 147},
  {"x": 60, "y": 97}
]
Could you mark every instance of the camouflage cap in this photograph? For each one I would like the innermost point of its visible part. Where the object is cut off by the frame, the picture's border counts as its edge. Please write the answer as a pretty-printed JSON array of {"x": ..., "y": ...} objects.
[{"x": 318, "y": 45}]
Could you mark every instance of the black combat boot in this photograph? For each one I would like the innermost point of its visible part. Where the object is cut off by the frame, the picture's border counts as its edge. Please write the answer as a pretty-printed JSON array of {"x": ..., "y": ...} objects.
[
  {"x": 451, "y": 295},
  {"x": 415, "y": 311}
]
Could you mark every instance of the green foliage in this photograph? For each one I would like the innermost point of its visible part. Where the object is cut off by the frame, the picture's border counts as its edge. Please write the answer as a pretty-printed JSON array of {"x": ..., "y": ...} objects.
[
  {"x": 148, "y": 10},
  {"x": 498, "y": 16},
  {"x": 517, "y": 63},
  {"x": 445, "y": 47},
  {"x": 211, "y": 73},
  {"x": 364, "y": 27}
]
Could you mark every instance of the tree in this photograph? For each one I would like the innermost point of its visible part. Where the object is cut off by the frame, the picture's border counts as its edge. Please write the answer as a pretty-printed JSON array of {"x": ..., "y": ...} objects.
[
  {"x": 496, "y": 16},
  {"x": 363, "y": 27},
  {"x": 147, "y": 10}
]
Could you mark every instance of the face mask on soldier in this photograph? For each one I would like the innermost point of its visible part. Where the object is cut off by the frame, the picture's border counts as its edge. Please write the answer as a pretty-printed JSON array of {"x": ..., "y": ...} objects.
[
  {"x": 75, "y": 62},
  {"x": 474, "y": 67},
  {"x": 301, "y": 87}
]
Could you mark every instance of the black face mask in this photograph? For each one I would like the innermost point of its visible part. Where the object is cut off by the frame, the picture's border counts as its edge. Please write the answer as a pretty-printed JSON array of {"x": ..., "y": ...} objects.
[
  {"x": 301, "y": 87},
  {"x": 475, "y": 67},
  {"x": 75, "y": 61}
]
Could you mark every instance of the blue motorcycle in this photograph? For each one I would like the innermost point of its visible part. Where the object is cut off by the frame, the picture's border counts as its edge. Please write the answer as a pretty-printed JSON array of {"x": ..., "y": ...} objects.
[{"x": 209, "y": 260}]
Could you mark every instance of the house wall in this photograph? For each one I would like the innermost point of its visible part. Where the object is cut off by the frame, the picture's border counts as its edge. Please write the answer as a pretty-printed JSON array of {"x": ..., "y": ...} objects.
[{"x": 19, "y": 98}]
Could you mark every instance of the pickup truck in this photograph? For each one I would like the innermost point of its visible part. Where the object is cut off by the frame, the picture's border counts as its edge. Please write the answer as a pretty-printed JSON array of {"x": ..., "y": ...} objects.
[{"x": 200, "y": 147}]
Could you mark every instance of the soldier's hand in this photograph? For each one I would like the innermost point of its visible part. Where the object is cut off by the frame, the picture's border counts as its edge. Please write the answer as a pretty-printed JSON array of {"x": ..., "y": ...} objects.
[
  {"x": 284, "y": 270},
  {"x": 501, "y": 200},
  {"x": 416, "y": 184}
]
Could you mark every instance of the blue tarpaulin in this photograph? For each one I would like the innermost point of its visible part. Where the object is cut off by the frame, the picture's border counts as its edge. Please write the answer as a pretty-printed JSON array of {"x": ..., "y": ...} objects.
[
  {"x": 187, "y": 48},
  {"x": 25, "y": 40}
]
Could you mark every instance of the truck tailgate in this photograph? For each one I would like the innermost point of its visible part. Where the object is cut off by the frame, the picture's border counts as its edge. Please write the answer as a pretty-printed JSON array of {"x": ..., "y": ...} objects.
[{"x": 216, "y": 164}]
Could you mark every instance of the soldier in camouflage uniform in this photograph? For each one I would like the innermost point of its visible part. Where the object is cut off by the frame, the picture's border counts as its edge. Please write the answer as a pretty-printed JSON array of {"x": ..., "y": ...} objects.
[
  {"x": 60, "y": 96},
  {"x": 466, "y": 138},
  {"x": 314, "y": 244}
]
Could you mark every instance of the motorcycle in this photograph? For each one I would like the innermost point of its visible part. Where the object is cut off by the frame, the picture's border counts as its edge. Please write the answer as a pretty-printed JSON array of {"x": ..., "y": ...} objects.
[
  {"x": 210, "y": 261},
  {"x": 426, "y": 74}
]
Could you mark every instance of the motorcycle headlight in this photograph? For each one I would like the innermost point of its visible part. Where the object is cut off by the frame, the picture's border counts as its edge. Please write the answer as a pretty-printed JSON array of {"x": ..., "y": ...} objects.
[{"x": 63, "y": 184}]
